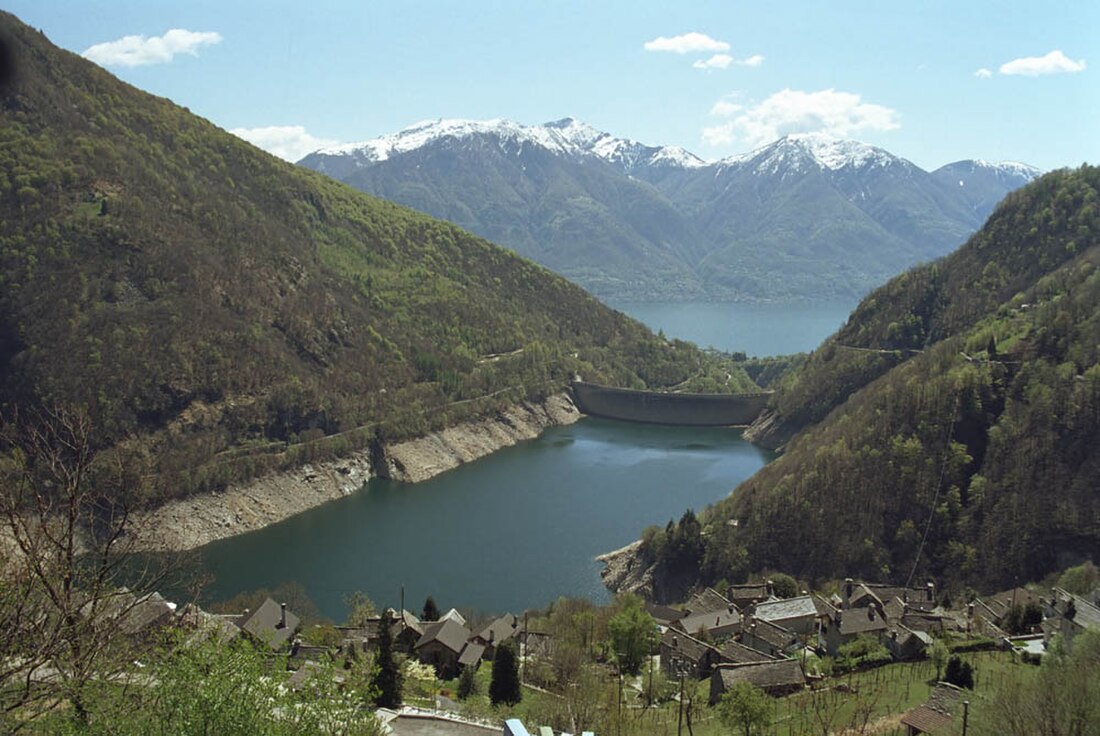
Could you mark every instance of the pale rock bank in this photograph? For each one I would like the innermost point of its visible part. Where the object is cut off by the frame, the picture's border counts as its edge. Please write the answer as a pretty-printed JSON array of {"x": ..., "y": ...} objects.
[
  {"x": 194, "y": 521},
  {"x": 625, "y": 572}
]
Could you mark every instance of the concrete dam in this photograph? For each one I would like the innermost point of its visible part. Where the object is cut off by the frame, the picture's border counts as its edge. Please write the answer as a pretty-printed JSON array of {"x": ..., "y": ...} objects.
[{"x": 653, "y": 407}]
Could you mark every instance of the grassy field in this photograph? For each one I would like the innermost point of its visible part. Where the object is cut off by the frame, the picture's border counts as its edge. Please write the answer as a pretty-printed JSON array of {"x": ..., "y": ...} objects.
[{"x": 870, "y": 702}]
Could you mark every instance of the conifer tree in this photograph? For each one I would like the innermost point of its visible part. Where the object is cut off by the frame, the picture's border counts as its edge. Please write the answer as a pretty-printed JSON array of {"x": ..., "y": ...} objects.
[
  {"x": 504, "y": 687},
  {"x": 387, "y": 678},
  {"x": 431, "y": 610}
]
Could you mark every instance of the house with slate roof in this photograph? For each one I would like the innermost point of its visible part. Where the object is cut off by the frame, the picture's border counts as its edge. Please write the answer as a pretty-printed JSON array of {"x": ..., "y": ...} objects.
[
  {"x": 441, "y": 645},
  {"x": 1069, "y": 616},
  {"x": 904, "y": 644},
  {"x": 501, "y": 630},
  {"x": 706, "y": 601},
  {"x": 271, "y": 625},
  {"x": 723, "y": 622},
  {"x": 797, "y": 614},
  {"x": 847, "y": 626},
  {"x": 745, "y": 595},
  {"x": 937, "y": 714},
  {"x": 683, "y": 653},
  {"x": 776, "y": 678},
  {"x": 771, "y": 639},
  {"x": 734, "y": 652}
]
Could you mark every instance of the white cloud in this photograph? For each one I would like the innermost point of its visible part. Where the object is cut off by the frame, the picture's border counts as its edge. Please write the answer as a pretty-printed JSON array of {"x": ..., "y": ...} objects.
[
  {"x": 718, "y": 61},
  {"x": 983, "y": 73},
  {"x": 725, "y": 108},
  {"x": 686, "y": 43},
  {"x": 754, "y": 60},
  {"x": 841, "y": 114},
  {"x": 1032, "y": 66},
  {"x": 290, "y": 142},
  {"x": 142, "y": 50}
]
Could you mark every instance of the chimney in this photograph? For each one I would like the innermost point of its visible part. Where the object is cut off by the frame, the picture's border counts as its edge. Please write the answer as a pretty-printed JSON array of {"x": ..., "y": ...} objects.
[
  {"x": 769, "y": 588},
  {"x": 282, "y": 616},
  {"x": 838, "y": 614},
  {"x": 717, "y": 621},
  {"x": 732, "y": 609},
  {"x": 894, "y": 634},
  {"x": 970, "y": 610},
  {"x": 847, "y": 591},
  {"x": 675, "y": 642},
  {"x": 870, "y": 613},
  {"x": 931, "y": 588},
  {"x": 492, "y": 635}
]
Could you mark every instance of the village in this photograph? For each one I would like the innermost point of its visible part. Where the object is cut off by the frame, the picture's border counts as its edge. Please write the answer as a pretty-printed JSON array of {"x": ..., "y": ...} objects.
[{"x": 746, "y": 637}]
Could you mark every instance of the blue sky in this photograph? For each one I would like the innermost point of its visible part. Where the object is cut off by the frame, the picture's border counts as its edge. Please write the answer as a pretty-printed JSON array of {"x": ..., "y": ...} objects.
[{"x": 931, "y": 81}]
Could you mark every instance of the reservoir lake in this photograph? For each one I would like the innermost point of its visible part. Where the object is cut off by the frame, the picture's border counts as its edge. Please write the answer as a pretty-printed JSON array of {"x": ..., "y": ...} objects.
[{"x": 523, "y": 526}]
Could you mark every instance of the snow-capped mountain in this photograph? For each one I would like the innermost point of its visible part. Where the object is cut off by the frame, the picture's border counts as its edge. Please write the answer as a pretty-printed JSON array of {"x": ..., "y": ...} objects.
[
  {"x": 807, "y": 216},
  {"x": 797, "y": 153},
  {"x": 565, "y": 137},
  {"x": 982, "y": 184}
]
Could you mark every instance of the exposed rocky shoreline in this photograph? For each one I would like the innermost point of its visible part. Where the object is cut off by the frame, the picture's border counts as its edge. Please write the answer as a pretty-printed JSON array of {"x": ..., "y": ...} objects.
[{"x": 192, "y": 522}]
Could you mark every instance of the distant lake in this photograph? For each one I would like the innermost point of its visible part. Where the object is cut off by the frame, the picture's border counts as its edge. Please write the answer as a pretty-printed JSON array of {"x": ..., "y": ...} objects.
[
  {"x": 522, "y": 527},
  {"x": 755, "y": 329}
]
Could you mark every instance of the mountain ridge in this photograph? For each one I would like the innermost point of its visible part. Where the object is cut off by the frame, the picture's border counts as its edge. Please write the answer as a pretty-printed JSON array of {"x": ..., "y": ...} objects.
[{"x": 808, "y": 216}]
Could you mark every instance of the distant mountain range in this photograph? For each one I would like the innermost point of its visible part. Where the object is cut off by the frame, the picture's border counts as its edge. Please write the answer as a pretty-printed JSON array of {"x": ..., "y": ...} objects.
[{"x": 805, "y": 217}]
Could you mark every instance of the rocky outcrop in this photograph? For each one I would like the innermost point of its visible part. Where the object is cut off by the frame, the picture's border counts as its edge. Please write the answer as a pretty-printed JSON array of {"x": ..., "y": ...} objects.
[
  {"x": 191, "y": 522},
  {"x": 770, "y": 431},
  {"x": 626, "y": 572}
]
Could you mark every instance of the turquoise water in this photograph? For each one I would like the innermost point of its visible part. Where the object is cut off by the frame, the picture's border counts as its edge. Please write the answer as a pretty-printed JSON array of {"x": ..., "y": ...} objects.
[
  {"x": 514, "y": 530},
  {"x": 523, "y": 526}
]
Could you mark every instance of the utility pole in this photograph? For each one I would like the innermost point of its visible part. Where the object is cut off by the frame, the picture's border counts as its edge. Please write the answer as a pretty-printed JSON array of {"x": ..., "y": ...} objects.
[
  {"x": 680, "y": 710},
  {"x": 966, "y": 715}
]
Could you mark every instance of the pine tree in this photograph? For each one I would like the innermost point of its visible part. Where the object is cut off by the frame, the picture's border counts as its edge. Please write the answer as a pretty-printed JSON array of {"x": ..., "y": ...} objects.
[
  {"x": 467, "y": 682},
  {"x": 431, "y": 610},
  {"x": 387, "y": 678},
  {"x": 504, "y": 687}
]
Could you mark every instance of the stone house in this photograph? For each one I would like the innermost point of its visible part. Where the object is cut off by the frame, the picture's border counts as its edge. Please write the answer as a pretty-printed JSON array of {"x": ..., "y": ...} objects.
[
  {"x": 682, "y": 653},
  {"x": 441, "y": 645},
  {"x": 501, "y": 630},
  {"x": 797, "y": 614},
  {"x": 722, "y": 622},
  {"x": 771, "y": 639},
  {"x": 848, "y": 625},
  {"x": 776, "y": 678}
]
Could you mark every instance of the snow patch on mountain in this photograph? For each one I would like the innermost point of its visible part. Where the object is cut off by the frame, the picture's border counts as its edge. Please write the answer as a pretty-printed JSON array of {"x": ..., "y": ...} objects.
[
  {"x": 566, "y": 137},
  {"x": 800, "y": 152}
]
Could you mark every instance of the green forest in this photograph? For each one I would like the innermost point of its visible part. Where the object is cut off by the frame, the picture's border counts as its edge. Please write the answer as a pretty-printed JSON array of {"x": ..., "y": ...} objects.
[
  {"x": 226, "y": 313},
  {"x": 948, "y": 431}
]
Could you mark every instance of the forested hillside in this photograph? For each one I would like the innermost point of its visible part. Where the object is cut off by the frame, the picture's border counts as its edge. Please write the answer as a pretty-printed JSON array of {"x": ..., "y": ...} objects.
[
  {"x": 958, "y": 420},
  {"x": 227, "y": 312}
]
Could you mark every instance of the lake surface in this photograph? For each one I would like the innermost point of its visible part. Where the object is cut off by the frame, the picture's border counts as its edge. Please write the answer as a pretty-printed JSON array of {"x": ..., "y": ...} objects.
[
  {"x": 522, "y": 527},
  {"x": 514, "y": 530},
  {"x": 755, "y": 329}
]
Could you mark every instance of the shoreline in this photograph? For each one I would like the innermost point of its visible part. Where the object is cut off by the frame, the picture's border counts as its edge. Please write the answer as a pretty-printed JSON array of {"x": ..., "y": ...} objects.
[{"x": 188, "y": 523}]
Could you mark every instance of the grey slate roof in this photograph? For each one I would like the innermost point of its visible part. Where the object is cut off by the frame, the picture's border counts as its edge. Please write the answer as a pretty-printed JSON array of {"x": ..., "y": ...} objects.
[
  {"x": 774, "y": 673},
  {"x": 684, "y": 645},
  {"x": 857, "y": 621},
  {"x": 787, "y": 608},
  {"x": 709, "y": 621},
  {"x": 737, "y": 653},
  {"x": 502, "y": 629},
  {"x": 774, "y": 634},
  {"x": 447, "y": 632},
  {"x": 265, "y": 624},
  {"x": 471, "y": 653},
  {"x": 747, "y": 593},
  {"x": 706, "y": 601}
]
